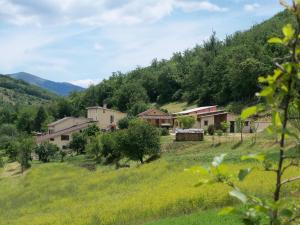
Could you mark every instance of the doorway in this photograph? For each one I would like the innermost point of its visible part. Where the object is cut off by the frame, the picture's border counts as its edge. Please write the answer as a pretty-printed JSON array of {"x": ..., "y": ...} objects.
[{"x": 232, "y": 125}]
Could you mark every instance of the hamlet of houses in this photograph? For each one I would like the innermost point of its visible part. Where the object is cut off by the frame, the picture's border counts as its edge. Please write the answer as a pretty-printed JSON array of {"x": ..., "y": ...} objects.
[{"x": 60, "y": 132}]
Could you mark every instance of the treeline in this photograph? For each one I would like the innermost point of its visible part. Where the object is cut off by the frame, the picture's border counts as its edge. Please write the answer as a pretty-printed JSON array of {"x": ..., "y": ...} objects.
[{"x": 216, "y": 72}]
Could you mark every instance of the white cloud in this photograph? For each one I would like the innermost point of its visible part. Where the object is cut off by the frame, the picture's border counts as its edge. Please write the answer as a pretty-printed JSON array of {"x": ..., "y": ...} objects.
[
  {"x": 95, "y": 13},
  {"x": 203, "y": 5},
  {"x": 85, "y": 82},
  {"x": 98, "y": 46},
  {"x": 251, "y": 7}
]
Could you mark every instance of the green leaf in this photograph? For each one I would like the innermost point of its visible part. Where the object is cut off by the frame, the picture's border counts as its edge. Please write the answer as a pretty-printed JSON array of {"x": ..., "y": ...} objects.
[
  {"x": 286, "y": 213},
  {"x": 250, "y": 111},
  {"x": 218, "y": 160},
  {"x": 258, "y": 157},
  {"x": 288, "y": 31},
  {"x": 275, "y": 40},
  {"x": 226, "y": 211},
  {"x": 239, "y": 195},
  {"x": 266, "y": 91},
  {"x": 243, "y": 173},
  {"x": 277, "y": 119}
]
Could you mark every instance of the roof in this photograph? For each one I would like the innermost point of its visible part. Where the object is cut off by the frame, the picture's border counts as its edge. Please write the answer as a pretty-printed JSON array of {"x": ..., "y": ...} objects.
[
  {"x": 218, "y": 112},
  {"x": 59, "y": 121},
  {"x": 64, "y": 131},
  {"x": 195, "y": 109},
  {"x": 153, "y": 112},
  {"x": 99, "y": 107}
]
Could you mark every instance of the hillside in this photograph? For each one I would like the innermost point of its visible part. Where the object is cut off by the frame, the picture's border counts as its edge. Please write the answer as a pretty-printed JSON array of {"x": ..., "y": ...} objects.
[
  {"x": 69, "y": 193},
  {"x": 16, "y": 91},
  {"x": 215, "y": 72},
  {"x": 60, "y": 88}
]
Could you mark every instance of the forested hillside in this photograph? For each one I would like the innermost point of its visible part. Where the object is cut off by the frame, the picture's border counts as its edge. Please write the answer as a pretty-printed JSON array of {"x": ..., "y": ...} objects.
[
  {"x": 16, "y": 91},
  {"x": 215, "y": 72}
]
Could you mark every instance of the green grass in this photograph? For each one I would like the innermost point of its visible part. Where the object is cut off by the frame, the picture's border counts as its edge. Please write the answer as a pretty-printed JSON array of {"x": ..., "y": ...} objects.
[
  {"x": 177, "y": 106},
  {"x": 209, "y": 217},
  {"x": 67, "y": 193}
]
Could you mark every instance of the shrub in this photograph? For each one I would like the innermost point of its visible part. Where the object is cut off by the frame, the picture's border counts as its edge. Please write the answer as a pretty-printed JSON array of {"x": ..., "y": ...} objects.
[
  {"x": 164, "y": 131},
  {"x": 123, "y": 123},
  {"x": 46, "y": 151},
  {"x": 24, "y": 152},
  {"x": 92, "y": 130}
]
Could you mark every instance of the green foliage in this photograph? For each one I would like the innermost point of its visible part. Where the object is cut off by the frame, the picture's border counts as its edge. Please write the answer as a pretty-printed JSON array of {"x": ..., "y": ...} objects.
[
  {"x": 92, "y": 130},
  {"x": 46, "y": 151},
  {"x": 186, "y": 122},
  {"x": 164, "y": 131},
  {"x": 224, "y": 126},
  {"x": 78, "y": 142},
  {"x": 124, "y": 123},
  {"x": 25, "y": 121},
  {"x": 40, "y": 119},
  {"x": 141, "y": 139},
  {"x": 95, "y": 148},
  {"x": 25, "y": 148}
]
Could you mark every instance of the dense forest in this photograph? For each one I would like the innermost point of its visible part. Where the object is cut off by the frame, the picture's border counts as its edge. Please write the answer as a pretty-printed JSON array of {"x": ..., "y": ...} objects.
[{"x": 215, "y": 72}]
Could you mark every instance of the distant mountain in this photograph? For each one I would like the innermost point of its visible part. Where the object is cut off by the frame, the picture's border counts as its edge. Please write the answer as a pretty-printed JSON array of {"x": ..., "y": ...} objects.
[
  {"x": 60, "y": 88},
  {"x": 15, "y": 91}
]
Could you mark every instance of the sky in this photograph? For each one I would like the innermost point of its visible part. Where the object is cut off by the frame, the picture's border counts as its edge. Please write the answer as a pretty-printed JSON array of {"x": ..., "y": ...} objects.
[{"x": 84, "y": 41}]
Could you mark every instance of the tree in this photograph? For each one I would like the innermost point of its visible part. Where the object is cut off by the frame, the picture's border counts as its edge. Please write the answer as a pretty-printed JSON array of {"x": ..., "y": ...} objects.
[
  {"x": 186, "y": 122},
  {"x": 211, "y": 132},
  {"x": 240, "y": 124},
  {"x": 92, "y": 130},
  {"x": 27, "y": 144},
  {"x": 224, "y": 126},
  {"x": 142, "y": 139},
  {"x": 25, "y": 121},
  {"x": 78, "y": 142},
  {"x": 46, "y": 151},
  {"x": 40, "y": 118},
  {"x": 95, "y": 148}
]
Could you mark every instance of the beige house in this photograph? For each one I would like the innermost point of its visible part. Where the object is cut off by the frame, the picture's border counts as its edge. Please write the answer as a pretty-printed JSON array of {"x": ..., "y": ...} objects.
[
  {"x": 106, "y": 119},
  {"x": 60, "y": 132}
]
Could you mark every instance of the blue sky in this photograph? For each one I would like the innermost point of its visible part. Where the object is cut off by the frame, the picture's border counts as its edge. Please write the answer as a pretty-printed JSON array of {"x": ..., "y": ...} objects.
[{"x": 84, "y": 41}]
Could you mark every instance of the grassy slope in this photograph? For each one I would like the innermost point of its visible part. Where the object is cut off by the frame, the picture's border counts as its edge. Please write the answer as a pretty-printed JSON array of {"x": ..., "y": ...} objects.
[
  {"x": 64, "y": 193},
  {"x": 177, "y": 106}
]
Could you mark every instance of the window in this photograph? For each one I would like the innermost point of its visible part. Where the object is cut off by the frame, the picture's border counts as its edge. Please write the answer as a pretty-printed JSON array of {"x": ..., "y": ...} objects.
[
  {"x": 112, "y": 119},
  {"x": 205, "y": 122},
  {"x": 64, "y": 137},
  {"x": 51, "y": 139}
]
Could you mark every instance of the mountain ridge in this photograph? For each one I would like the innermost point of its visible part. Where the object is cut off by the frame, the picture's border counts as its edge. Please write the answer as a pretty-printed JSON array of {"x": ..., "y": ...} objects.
[{"x": 60, "y": 88}]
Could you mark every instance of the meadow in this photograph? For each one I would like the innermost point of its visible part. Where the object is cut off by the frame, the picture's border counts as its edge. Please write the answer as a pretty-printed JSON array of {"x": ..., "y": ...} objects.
[{"x": 158, "y": 193}]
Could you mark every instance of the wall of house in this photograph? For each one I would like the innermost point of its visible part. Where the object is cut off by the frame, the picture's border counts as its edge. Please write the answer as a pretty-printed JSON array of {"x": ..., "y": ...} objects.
[
  {"x": 232, "y": 118},
  {"x": 262, "y": 125},
  {"x": 62, "y": 144},
  {"x": 206, "y": 121},
  {"x": 69, "y": 122},
  {"x": 103, "y": 116}
]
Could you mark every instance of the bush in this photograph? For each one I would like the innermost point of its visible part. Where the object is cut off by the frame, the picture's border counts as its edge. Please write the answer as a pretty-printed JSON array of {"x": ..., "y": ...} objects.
[
  {"x": 92, "y": 130},
  {"x": 124, "y": 123},
  {"x": 46, "y": 151},
  {"x": 164, "y": 131},
  {"x": 211, "y": 129}
]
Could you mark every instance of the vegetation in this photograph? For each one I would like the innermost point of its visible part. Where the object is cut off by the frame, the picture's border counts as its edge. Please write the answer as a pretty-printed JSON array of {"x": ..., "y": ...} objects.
[
  {"x": 186, "y": 122},
  {"x": 46, "y": 151},
  {"x": 67, "y": 193}
]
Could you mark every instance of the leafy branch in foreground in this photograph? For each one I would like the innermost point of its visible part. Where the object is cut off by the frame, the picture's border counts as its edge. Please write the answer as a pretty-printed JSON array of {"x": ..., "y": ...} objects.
[{"x": 281, "y": 92}]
